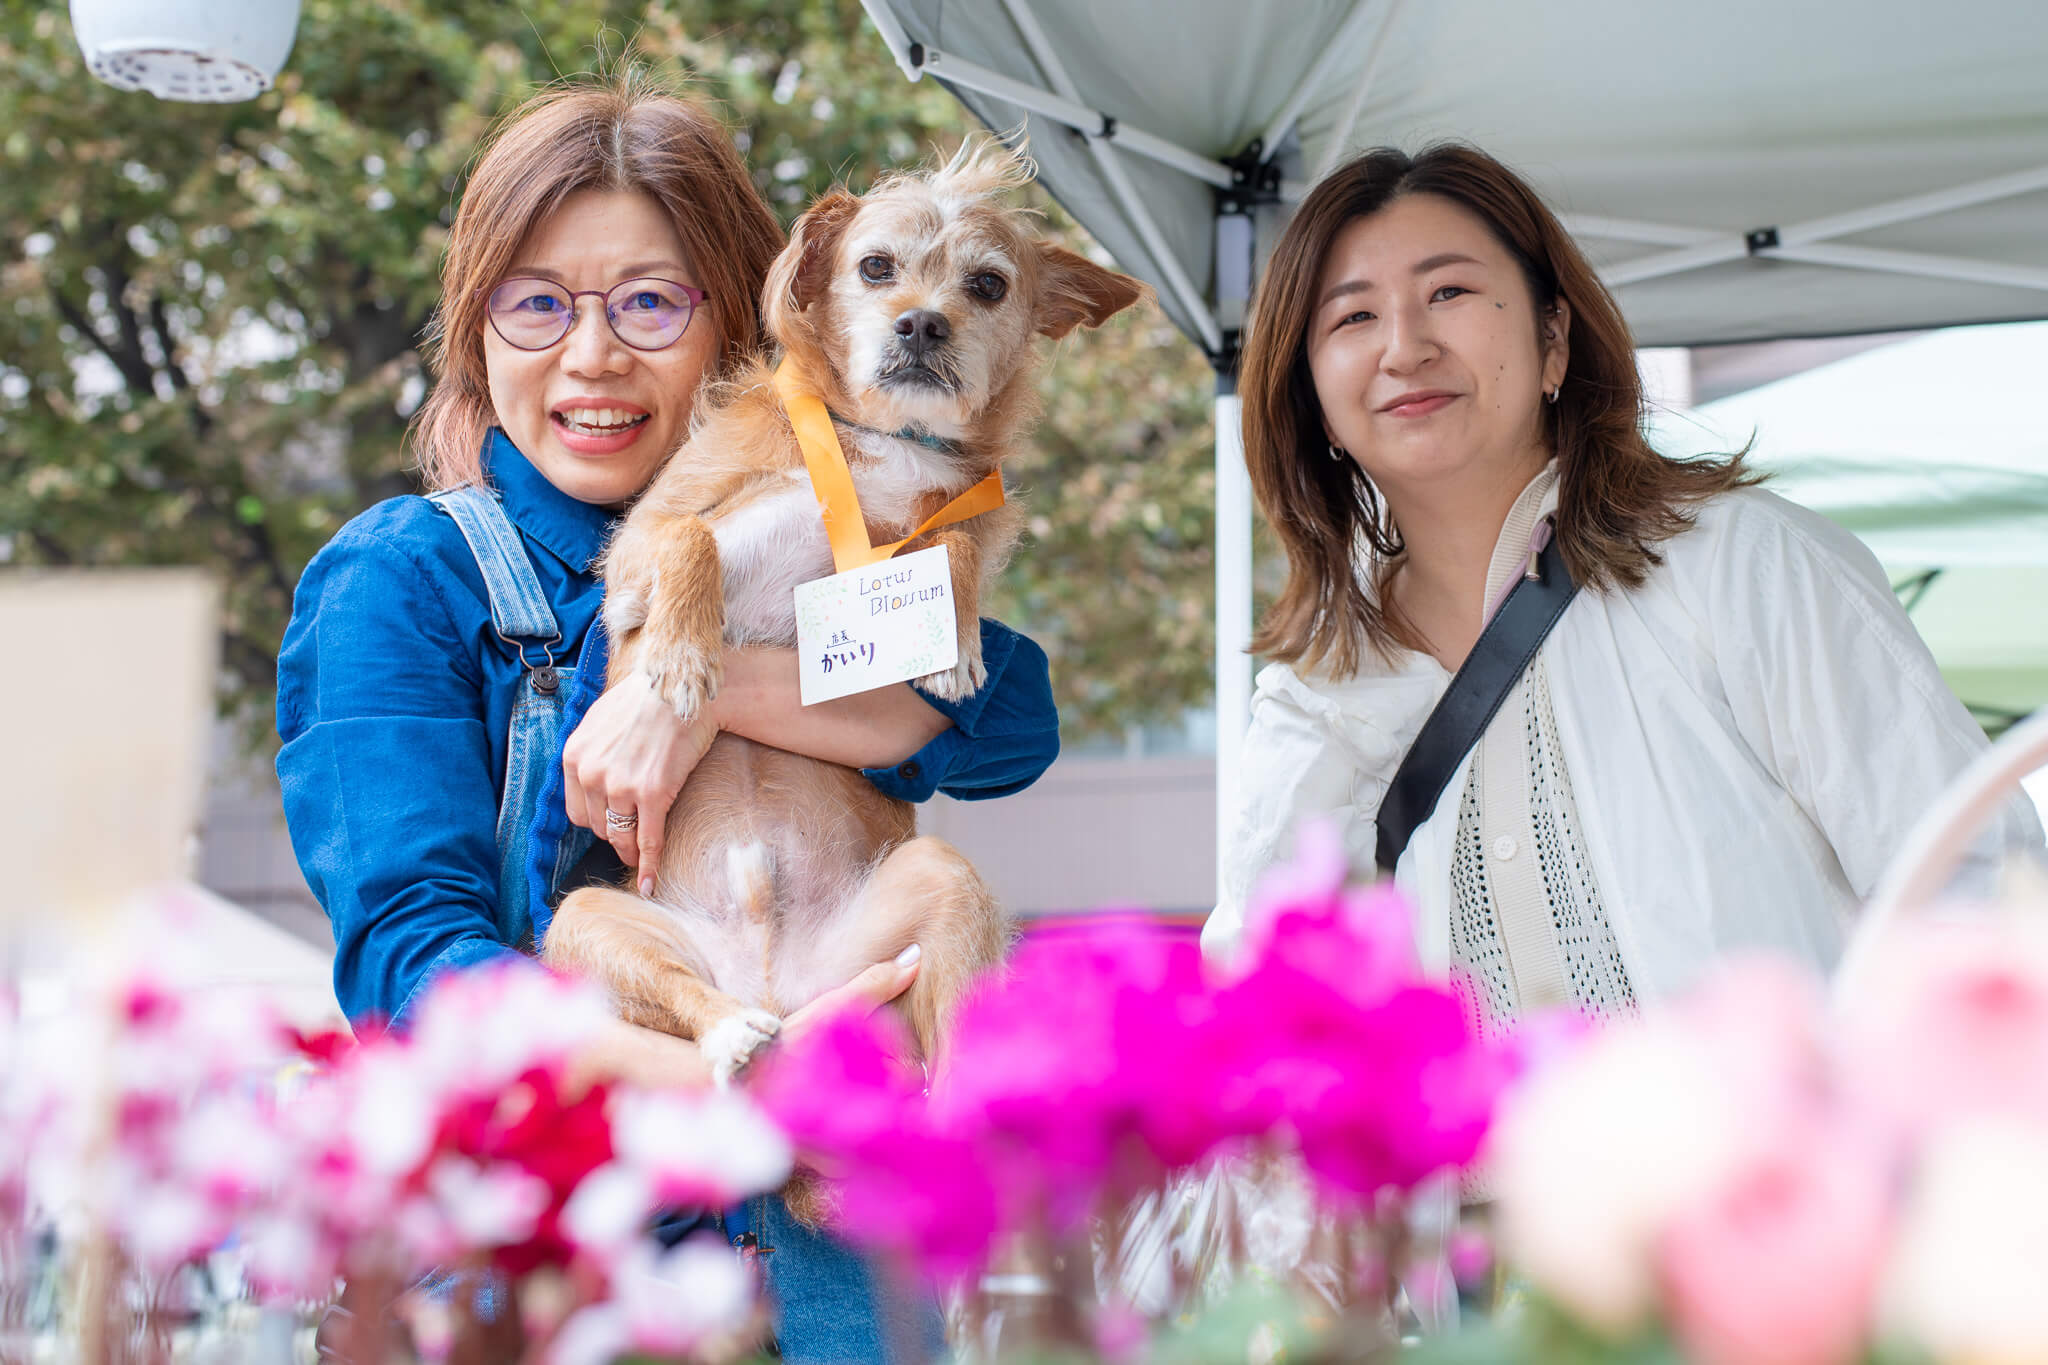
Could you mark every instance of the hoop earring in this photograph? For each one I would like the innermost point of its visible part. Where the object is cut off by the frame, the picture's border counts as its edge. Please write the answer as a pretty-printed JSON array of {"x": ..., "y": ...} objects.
[
  {"x": 1337, "y": 454},
  {"x": 1551, "y": 397}
]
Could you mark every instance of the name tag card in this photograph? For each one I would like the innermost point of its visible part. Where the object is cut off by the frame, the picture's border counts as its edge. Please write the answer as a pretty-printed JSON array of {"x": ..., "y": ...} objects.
[{"x": 866, "y": 628}]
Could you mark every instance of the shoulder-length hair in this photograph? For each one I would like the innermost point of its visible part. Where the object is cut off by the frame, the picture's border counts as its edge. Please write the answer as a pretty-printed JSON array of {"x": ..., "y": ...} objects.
[
  {"x": 1617, "y": 497},
  {"x": 622, "y": 132}
]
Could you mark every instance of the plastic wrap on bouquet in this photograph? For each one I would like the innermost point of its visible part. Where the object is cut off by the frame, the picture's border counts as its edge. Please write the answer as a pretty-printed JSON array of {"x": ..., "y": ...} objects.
[{"x": 1254, "y": 1219}]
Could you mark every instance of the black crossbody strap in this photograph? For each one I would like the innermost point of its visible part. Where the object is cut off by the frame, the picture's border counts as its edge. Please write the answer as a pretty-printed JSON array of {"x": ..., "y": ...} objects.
[{"x": 1504, "y": 649}]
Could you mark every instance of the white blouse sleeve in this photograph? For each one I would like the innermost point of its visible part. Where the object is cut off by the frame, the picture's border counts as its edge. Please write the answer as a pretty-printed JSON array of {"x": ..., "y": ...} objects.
[
  {"x": 1308, "y": 752},
  {"x": 1835, "y": 691}
]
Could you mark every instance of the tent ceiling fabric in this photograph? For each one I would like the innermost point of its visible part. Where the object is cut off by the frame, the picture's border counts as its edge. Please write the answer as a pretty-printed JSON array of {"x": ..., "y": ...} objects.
[{"x": 1709, "y": 120}]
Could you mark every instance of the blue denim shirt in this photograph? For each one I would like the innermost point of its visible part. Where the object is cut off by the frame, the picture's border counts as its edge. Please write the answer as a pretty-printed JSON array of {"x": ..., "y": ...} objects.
[{"x": 394, "y": 698}]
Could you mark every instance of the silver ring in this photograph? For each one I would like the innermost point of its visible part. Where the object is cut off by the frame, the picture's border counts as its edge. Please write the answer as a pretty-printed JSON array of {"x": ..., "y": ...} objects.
[{"x": 614, "y": 820}]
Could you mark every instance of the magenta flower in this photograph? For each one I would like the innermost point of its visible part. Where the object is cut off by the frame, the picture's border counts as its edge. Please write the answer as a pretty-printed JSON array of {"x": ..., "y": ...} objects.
[
  {"x": 1305, "y": 914},
  {"x": 1376, "y": 1096},
  {"x": 1082, "y": 1059},
  {"x": 903, "y": 1188}
]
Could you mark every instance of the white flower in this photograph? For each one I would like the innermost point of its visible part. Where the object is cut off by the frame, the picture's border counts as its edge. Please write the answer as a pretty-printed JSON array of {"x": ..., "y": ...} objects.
[
  {"x": 663, "y": 1304},
  {"x": 226, "y": 1144},
  {"x": 489, "y": 1206},
  {"x": 694, "y": 1293},
  {"x": 478, "y": 1031},
  {"x": 609, "y": 1209},
  {"x": 714, "y": 1139},
  {"x": 163, "y": 1225},
  {"x": 391, "y": 1122},
  {"x": 1595, "y": 1153},
  {"x": 285, "y": 1256},
  {"x": 1966, "y": 1273}
]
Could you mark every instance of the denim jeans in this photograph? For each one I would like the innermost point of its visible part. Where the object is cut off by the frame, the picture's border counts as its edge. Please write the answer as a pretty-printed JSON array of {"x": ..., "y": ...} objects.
[{"x": 826, "y": 1304}]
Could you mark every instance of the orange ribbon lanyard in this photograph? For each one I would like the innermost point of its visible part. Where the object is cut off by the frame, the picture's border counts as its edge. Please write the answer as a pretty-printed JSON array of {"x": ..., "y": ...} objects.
[{"x": 832, "y": 481}]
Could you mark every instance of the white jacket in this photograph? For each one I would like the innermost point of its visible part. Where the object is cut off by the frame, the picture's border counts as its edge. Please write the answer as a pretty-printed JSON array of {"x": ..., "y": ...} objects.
[{"x": 1750, "y": 735}]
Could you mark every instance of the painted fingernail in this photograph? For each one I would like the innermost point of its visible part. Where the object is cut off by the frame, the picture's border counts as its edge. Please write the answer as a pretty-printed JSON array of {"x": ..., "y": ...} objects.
[
  {"x": 647, "y": 887},
  {"x": 909, "y": 956}
]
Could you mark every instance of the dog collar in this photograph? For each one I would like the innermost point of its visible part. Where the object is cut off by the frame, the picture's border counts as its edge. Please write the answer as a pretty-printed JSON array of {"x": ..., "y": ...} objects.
[{"x": 922, "y": 437}]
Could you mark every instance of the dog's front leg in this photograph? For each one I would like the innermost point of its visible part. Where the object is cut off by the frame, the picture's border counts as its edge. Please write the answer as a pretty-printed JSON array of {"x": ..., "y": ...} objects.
[
  {"x": 964, "y": 679},
  {"x": 665, "y": 608}
]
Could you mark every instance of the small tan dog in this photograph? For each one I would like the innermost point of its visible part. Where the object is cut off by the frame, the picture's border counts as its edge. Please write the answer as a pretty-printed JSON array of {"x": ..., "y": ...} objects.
[{"x": 914, "y": 310}]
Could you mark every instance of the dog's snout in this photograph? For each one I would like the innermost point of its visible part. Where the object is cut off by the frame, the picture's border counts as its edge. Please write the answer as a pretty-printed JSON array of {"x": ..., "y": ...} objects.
[{"x": 922, "y": 329}]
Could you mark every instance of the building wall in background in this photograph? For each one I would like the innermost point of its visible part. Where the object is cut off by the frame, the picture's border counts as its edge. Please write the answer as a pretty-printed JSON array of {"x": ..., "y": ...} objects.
[{"x": 1092, "y": 832}]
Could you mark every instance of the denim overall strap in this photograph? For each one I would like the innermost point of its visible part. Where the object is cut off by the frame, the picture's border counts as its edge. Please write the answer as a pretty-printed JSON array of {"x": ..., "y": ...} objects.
[{"x": 524, "y": 621}]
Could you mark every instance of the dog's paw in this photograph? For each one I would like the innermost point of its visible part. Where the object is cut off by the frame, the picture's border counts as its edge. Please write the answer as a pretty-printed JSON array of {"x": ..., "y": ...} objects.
[
  {"x": 962, "y": 680},
  {"x": 688, "y": 680},
  {"x": 732, "y": 1042}
]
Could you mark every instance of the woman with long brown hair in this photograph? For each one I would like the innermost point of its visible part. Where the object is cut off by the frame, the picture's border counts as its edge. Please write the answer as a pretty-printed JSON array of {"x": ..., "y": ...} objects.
[
  {"x": 607, "y": 259},
  {"x": 1726, "y": 731}
]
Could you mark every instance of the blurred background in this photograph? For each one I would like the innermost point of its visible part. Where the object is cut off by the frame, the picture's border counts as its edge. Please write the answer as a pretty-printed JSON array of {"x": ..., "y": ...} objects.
[{"x": 209, "y": 318}]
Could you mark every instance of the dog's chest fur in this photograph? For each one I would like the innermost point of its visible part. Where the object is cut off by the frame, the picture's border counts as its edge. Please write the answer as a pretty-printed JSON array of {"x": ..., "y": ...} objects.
[{"x": 775, "y": 539}]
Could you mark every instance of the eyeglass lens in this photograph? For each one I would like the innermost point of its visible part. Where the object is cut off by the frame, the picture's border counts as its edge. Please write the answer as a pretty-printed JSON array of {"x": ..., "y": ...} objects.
[{"x": 647, "y": 314}]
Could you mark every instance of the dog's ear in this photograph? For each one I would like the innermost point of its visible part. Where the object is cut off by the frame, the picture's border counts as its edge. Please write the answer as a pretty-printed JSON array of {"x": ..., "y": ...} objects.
[
  {"x": 1076, "y": 292},
  {"x": 800, "y": 273}
]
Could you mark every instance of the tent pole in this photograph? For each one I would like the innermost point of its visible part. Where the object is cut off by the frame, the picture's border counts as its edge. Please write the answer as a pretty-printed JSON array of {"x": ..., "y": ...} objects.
[
  {"x": 1356, "y": 104},
  {"x": 1338, "y": 50},
  {"x": 1140, "y": 217},
  {"x": 1783, "y": 238},
  {"x": 898, "y": 42},
  {"x": 1918, "y": 263},
  {"x": 1233, "y": 609},
  {"x": 1633, "y": 230},
  {"x": 1091, "y": 123}
]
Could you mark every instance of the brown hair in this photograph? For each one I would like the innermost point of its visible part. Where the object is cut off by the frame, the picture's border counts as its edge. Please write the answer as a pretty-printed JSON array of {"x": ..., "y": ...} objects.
[
  {"x": 1617, "y": 497},
  {"x": 627, "y": 131}
]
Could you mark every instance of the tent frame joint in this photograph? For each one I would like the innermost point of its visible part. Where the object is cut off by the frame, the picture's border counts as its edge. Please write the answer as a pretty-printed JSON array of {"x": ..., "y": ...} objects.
[
  {"x": 1760, "y": 240},
  {"x": 1254, "y": 177},
  {"x": 1223, "y": 360}
]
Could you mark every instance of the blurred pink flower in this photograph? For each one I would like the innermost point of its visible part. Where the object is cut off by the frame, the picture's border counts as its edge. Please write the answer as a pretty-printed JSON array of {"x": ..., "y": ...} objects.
[
  {"x": 674, "y": 1305},
  {"x": 673, "y": 1150},
  {"x": 1605, "y": 1147},
  {"x": 1951, "y": 1020},
  {"x": 1307, "y": 914},
  {"x": 1779, "y": 1263},
  {"x": 903, "y": 1187},
  {"x": 1376, "y": 1095},
  {"x": 1085, "y": 1047}
]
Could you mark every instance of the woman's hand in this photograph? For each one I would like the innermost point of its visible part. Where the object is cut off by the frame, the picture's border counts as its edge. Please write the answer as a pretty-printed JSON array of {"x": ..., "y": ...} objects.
[
  {"x": 631, "y": 755},
  {"x": 866, "y": 993},
  {"x": 637, "y": 1056},
  {"x": 657, "y": 1061}
]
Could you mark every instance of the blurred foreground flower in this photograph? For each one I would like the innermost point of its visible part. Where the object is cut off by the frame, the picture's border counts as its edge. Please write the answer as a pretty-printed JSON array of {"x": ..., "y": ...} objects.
[
  {"x": 162, "y": 1127},
  {"x": 1108, "y": 1065},
  {"x": 1766, "y": 1181}
]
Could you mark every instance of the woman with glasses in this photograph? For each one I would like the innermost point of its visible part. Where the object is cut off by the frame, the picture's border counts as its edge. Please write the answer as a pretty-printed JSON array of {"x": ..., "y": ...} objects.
[{"x": 605, "y": 261}]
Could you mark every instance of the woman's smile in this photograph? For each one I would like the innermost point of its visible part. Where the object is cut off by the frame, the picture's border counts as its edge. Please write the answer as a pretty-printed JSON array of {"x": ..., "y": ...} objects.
[
  {"x": 1420, "y": 403},
  {"x": 595, "y": 425},
  {"x": 594, "y": 415}
]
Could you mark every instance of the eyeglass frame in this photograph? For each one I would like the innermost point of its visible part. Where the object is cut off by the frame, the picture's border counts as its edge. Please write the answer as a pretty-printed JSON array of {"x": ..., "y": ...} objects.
[{"x": 697, "y": 297}]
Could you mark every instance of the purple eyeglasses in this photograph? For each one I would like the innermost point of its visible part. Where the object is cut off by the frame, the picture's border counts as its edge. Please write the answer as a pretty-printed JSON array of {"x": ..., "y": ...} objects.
[{"x": 647, "y": 314}]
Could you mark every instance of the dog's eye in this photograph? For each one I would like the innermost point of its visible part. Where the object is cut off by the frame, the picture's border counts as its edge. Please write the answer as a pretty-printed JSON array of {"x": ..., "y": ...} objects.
[
  {"x": 877, "y": 269},
  {"x": 988, "y": 286}
]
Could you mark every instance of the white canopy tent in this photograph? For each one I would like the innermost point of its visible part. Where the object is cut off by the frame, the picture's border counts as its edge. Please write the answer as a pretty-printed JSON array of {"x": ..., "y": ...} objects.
[{"x": 1739, "y": 171}]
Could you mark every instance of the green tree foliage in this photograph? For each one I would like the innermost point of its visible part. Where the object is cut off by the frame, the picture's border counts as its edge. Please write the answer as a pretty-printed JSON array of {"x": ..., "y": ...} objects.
[{"x": 209, "y": 314}]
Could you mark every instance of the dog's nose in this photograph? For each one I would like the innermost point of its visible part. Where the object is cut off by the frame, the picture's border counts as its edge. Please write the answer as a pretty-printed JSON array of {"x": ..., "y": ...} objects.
[{"x": 922, "y": 330}]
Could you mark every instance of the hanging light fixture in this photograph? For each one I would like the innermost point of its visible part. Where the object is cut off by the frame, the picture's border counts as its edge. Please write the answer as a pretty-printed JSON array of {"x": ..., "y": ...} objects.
[{"x": 205, "y": 51}]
